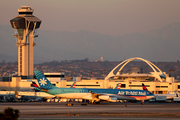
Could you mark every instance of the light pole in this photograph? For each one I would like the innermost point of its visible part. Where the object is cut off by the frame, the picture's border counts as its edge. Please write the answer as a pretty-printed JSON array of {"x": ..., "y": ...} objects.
[
  {"x": 91, "y": 75},
  {"x": 103, "y": 72}
]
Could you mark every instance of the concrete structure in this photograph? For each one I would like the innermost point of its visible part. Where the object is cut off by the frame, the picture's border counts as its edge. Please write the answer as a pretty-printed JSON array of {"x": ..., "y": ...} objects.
[
  {"x": 157, "y": 74},
  {"x": 24, "y": 26}
]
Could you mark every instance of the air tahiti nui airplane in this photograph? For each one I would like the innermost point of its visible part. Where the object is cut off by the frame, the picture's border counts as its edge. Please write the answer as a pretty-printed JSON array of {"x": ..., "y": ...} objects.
[{"x": 93, "y": 95}]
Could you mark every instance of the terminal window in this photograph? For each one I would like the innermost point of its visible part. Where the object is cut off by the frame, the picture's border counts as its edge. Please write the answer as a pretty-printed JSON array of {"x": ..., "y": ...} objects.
[
  {"x": 138, "y": 85},
  {"x": 161, "y": 86},
  {"x": 54, "y": 75},
  {"x": 123, "y": 85}
]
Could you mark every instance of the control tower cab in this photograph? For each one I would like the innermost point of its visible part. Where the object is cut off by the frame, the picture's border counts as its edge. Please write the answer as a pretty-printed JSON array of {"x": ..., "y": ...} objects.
[
  {"x": 25, "y": 10},
  {"x": 24, "y": 26}
]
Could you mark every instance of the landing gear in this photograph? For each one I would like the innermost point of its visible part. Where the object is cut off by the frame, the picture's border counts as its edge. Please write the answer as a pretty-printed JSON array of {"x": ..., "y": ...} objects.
[
  {"x": 96, "y": 102},
  {"x": 142, "y": 102},
  {"x": 93, "y": 102}
]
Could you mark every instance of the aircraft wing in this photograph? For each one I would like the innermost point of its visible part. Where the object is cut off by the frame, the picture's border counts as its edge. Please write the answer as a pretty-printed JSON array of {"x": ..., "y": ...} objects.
[{"x": 103, "y": 96}]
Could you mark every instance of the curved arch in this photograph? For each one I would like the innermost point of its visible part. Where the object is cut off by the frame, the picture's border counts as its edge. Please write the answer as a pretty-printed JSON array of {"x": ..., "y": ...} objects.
[
  {"x": 129, "y": 60},
  {"x": 146, "y": 61}
]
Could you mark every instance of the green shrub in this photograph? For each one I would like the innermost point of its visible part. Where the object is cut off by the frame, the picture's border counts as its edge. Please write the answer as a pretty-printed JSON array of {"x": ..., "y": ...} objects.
[{"x": 9, "y": 114}]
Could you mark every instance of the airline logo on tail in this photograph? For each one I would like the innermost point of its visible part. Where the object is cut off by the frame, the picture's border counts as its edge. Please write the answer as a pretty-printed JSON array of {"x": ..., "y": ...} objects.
[
  {"x": 118, "y": 86},
  {"x": 144, "y": 87},
  {"x": 73, "y": 85},
  {"x": 44, "y": 83},
  {"x": 34, "y": 85}
]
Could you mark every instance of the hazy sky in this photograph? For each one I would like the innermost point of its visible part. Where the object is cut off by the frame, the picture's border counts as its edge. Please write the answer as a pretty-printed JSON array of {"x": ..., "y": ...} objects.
[{"x": 112, "y": 17}]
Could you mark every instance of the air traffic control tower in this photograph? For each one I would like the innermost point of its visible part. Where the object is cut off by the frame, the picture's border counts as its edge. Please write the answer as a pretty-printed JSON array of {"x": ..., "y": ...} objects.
[{"x": 24, "y": 26}]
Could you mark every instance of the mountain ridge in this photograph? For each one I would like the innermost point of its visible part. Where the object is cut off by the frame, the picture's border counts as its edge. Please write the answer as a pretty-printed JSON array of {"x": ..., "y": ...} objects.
[{"x": 155, "y": 45}]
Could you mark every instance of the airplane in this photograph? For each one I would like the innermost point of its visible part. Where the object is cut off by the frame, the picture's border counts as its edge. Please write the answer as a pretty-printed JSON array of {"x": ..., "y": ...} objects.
[
  {"x": 168, "y": 96},
  {"x": 93, "y": 95},
  {"x": 36, "y": 87}
]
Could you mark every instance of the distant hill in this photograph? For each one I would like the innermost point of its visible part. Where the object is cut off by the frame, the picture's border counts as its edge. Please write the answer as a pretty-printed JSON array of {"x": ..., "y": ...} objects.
[{"x": 155, "y": 45}]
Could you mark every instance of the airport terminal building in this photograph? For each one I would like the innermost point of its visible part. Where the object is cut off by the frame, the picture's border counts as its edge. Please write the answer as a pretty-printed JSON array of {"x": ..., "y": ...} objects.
[{"x": 156, "y": 82}]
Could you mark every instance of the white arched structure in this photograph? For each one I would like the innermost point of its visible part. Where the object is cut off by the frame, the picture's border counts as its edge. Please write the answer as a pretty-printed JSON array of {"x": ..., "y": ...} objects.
[{"x": 157, "y": 74}]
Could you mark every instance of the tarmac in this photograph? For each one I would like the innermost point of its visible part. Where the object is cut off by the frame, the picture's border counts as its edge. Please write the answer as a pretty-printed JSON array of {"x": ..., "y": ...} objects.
[{"x": 75, "y": 110}]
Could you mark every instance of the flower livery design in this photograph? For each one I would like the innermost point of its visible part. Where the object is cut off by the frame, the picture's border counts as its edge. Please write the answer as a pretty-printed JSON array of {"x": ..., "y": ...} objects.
[{"x": 43, "y": 82}]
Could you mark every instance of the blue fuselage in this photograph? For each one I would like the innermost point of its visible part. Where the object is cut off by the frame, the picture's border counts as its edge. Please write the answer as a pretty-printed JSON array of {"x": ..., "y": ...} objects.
[{"x": 89, "y": 92}]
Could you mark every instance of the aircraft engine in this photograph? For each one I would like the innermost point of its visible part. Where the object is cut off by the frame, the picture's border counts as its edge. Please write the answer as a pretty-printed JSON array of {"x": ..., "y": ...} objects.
[
  {"x": 108, "y": 98},
  {"x": 104, "y": 97},
  {"x": 113, "y": 98}
]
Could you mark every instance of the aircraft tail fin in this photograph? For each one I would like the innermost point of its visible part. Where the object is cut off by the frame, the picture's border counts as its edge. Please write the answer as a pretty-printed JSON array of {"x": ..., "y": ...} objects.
[
  {"x": 34, "y": 85},
  {"x": 144, "y": 87},
  {"x": 73, "y": 85},
  {"x": 118, "y": 86},
  {"x": 43, "y": 82},
  {"x": 177, "y": 95}
]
